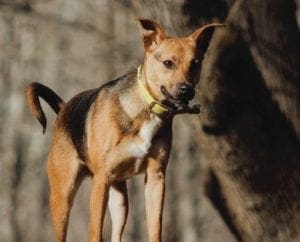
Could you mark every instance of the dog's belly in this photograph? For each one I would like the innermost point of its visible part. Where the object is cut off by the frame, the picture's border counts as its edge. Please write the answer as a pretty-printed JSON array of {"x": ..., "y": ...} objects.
[{"x": 127, "y": 169}]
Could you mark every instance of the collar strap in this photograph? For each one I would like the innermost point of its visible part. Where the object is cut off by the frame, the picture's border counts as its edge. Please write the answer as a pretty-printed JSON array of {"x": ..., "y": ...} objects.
[{"x": 154, "y": 106}]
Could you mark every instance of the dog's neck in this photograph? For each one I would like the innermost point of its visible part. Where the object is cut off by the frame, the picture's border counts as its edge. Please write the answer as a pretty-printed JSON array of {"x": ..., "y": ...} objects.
[
  {"x": 154, "y": 105},
  {"x": 139, "y": 99},
  {"x": 131, "y": 101}
]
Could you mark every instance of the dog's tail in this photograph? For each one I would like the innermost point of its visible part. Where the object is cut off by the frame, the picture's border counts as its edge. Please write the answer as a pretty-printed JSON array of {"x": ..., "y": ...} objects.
[{"x": 35, "y": 90}]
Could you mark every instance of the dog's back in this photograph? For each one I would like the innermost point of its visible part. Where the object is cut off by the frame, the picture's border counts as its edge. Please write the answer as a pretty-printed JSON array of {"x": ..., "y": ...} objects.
[{"x": 76, "y": 112}]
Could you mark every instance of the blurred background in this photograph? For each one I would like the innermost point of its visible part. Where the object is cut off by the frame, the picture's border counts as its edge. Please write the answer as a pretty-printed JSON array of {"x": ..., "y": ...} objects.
[{"x": 73, "y": 45}]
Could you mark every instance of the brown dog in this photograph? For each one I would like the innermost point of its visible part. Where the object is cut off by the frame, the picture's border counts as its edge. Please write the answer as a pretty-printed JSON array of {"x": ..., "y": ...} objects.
[{"x": 121, "y": 129}]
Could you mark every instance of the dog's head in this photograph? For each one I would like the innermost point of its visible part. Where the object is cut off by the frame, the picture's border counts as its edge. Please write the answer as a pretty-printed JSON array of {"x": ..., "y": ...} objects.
[{"x": 172, "y": 65}]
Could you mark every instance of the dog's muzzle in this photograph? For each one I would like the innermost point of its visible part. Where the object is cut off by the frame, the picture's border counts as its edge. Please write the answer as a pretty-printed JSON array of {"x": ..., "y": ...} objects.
[
  {"x": 181, "y": 105},
  {"x": 186, "y": 92}
]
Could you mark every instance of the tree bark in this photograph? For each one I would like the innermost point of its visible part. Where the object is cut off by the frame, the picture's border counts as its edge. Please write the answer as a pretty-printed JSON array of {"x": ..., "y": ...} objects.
[{"x": 250, "y": 123}]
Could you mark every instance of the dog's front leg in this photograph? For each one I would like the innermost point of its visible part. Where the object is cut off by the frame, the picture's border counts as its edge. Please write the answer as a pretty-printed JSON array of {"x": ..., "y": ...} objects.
[
  {"x": 118, "y": 208},
  {"x": 154, "y": 195},
  {"x": 98, "y": 202}
]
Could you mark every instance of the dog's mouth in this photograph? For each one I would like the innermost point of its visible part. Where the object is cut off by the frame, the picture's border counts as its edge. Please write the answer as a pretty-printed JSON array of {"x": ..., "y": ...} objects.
[
  {"x": 172, "y": 101},
  {"x": 179, "y": 105}
]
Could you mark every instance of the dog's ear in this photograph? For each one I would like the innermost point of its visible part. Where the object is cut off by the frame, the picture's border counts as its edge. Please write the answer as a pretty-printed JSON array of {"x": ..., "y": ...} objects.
[
  {"x": 203, "y": 36},
  {"x": 151, "y": 32}
]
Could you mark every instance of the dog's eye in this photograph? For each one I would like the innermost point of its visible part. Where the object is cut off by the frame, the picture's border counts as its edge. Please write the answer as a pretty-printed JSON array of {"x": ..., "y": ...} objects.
[
  {"x": 195, "y": 61},
  {"x": 195, "y": 64},
  {"x": 169, "y": 64}
]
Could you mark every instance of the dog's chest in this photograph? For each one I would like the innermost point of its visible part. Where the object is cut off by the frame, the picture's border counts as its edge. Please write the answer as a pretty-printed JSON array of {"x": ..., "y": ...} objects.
[
  {"x": 141, "y": 146},
  {"x": 129, "y": 160}
]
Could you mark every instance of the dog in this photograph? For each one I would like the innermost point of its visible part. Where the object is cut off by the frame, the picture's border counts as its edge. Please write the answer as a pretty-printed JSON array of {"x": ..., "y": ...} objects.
[{"x": 121, "y": 129}]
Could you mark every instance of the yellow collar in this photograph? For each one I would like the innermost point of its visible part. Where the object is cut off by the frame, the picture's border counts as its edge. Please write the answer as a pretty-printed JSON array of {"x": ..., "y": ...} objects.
[{"x": 154, "y": 106}]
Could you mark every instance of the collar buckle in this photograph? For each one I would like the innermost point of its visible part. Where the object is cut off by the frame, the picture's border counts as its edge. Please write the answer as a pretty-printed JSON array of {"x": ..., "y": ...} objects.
[{"x": 168, "y": 111}]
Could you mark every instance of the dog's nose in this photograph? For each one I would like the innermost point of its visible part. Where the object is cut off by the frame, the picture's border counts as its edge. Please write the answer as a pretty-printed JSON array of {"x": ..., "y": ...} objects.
[{"x": 186, "y": 91}]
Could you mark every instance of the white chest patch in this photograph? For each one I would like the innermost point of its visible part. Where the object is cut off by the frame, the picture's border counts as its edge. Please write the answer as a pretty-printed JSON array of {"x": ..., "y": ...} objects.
[{"x": 146, "y": 133}]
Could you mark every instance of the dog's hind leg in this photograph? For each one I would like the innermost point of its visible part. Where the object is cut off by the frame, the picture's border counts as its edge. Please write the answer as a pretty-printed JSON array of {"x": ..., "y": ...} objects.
[
  {"x": 64, "y": 178},
  {"x": 118, "y": 208}
]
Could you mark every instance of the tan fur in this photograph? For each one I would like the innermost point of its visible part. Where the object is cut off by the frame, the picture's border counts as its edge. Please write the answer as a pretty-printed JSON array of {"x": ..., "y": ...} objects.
[{"x": 121, "y": 138}]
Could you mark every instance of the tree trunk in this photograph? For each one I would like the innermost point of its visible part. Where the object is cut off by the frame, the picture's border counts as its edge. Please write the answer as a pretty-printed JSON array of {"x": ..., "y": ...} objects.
[{"x": 250, "y": 124}]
